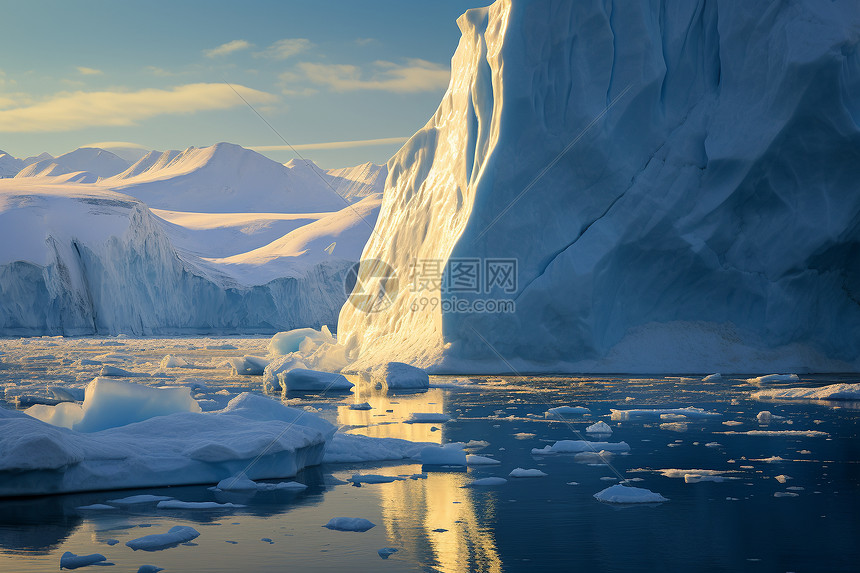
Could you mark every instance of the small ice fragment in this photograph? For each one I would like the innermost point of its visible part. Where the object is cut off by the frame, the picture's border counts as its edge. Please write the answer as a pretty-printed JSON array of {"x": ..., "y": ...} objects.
[
  {"x": 349, "y": 524},
  {"x": 712, "y": 378},
  {"x": 385, "y": 552},
  {"x": 785, "y": 494},
  {"x": 171, "y": 361},
  {"x": 526, "y": 473},
  {"x": 782, "y": 478},
  {"x": 572, "y": 483},
  {"x": 472, "y": 460},
  {"x": 600, "y": 458},
  {"x": 489, "y": 481},
  {"x": 95, "y": 506},
  {"x": 108, "y": 370},
  {"x": 149, "y": 569},
  {"x": 608, "y": 478},
  {"x": 713, "y": 445},
  {"x": 628, "y": 494},
  {"x": 158, "y": 541},
  {"x": 111, "y": 541},
  {"x": 566, "y": 411},
  {"x": 674, "y": 426},
  {"x": 524, "y": 436},
  {"x": 362, "y": 406},
  {"x": 135, "y": 499},
  {"x": 248, "y": 365},
  {"x": 374, "y": 478},
  {"x": 71, "y": 561},
  {"x": 689, "y": 412},
  {"x": 732, "y": 423},
  {"x": 448, "y": 455},
  {"x": 599, "y": 428},
  {"x": 267, "y": 540},
  {"x": 440, "y": 530},
  {"x": 576, "y": 446},
  {"x": 476, "y": 444},
  {"x": 176, "y": 504},
  {"x": 764, "y": 417},
  {"x": 759, "y": 380},
  {"x": 428, "y": 418}
]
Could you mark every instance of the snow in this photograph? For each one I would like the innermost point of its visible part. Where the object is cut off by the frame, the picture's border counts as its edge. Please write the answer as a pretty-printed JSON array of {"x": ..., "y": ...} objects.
[
  {"x": 688, "y": 412},
  {"x": 488, "y": 481},
  {"x": 301, "y": 379},
  {"x": 831, "y": 392},
  {"x": 599, "y": 428},
  {"x": 566, "y": 411},
  {"x": 174, "y": 449},
  {"x": 615, "y": 163},
  {"x": 619, "y": 493},
  {"x": 577, "y": 446},
  {"x": 349, "y": 524},
  {"x": 526, "y": 473},
  {"x": 397, "y": 376},
  {"x": 447, "y": 455},
  {"x": 111, "y": 403},
  {"x": 71, "y": 561},
  {"x": 158, "y": 541}
]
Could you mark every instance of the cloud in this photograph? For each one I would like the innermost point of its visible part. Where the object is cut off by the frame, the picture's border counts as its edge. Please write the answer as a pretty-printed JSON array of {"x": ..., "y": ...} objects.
[
  {"x": 226, "y": 49},
  {"x": 69, "y": 111},
  {"x": 85, "y": 71},
  {"x": 333, "y": 144},
  {"x": 283, "y": 49},
  {"x": 415, "y": 76},
  {"x": 366, "y": 41},
  {"x": 107, "y": 144}
]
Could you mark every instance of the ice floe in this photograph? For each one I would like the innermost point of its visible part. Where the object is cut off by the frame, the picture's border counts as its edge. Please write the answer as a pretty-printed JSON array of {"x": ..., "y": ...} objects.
[
  {"x": 619, "y": 493},
  {"x": 527, "y": 473},
  {"x": 566, "y": 411},
  {"x": 488, "y": 481},
  {"x": 600, "y": 427},
  {"x": 831, "y": 392},
  {"x": 689, "y": 412},
  {"x": 349, "y": 524},
  {"x": 158, "y": 541},
  {"x": 71, "y": 561},
  {"x": 576, "y": 446},
  {"x": 302, "y": 379},
  {"x": 447, "y": 455},
  {"x": 397, "y": 375},
  {"x": 770, "y": 378}
]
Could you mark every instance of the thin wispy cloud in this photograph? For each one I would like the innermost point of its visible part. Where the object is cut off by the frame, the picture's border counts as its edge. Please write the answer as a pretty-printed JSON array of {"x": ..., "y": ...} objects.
[
  {"x": 69, "y": 111},
  {"x": 85, "y": 71},
  {"x": 414, "y": 76},
  {"x": 333, "y": 144},
  {"x": 286, "y": 48},
  {"x": 226, "y": 49}
]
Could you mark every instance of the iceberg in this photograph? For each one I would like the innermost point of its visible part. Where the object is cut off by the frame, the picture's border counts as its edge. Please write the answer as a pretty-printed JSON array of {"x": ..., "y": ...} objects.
[{"x": 631, "y": 171}]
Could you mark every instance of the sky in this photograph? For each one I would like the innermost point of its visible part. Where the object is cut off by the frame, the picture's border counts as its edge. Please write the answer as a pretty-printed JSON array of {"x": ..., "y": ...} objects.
[{"x": 344, "y": 81}]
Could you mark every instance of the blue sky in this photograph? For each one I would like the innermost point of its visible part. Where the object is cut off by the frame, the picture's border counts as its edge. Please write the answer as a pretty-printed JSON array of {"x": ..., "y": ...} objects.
[{"x": 156, "y": 74}]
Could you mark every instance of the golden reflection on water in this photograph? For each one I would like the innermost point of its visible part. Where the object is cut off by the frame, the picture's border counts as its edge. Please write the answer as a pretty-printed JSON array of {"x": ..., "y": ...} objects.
[{"x": 414, "y": 511}]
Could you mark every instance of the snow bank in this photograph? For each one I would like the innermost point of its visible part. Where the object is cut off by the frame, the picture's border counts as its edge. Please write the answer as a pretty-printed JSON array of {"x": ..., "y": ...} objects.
[
  {"x": 619, "y": 493},
  {"x": 176, "y": 449},
  {"x": 158, "y": 541},
  {"x": 111, "y": 403},
  {"x": 831, "y": 392}
]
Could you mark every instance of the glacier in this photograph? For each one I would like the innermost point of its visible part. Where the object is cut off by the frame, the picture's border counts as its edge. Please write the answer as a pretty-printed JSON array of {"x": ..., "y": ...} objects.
[
  {"x": 112, "y": 253},
  {"x": 676, "y": 181}
]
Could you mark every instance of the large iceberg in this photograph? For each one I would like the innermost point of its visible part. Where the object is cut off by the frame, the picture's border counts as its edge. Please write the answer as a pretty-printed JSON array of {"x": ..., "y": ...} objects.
[{"x": 677, "y": 183}]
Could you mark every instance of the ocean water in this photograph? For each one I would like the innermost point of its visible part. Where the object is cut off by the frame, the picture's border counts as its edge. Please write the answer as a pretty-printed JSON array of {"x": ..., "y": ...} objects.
[{"x": 786, "y": 502}]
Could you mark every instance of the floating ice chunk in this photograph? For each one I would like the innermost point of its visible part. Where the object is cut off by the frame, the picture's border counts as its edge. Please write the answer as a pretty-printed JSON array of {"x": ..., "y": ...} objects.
[
  {"x": 428, "y": 418},
  {"x": 136, "y": 499},
  {"x": 689, "y": 412},
  {"x": 831, "y": 392},
  {"x": 171, "y": 361},
  {"x": 476, "y": 444},
  {"x": 696, "y": 478},
  {"x": 95, "y": 507},
  {"x": 71, "y": 561},
  {"x": 109, "y": 370},
  {"x": 386, "y": 552},
  {"x": 733, "y": 423},
  {"x": 619, "y": 493},
  {"x": 566, "y": 411},
  {"x": 782, "y": 478},
  {"x": 524, "y": 435},
  {"x": 112, "y": 403},
  {"x": 770, "y": 460},
  {"x": 795, "y": 433},
  {"x": 600, "y": 427},
  {"x": 351, "y": 448},
  {"x": 176, "y": 504},
  {"x": 301, "y": 379},
  {"x": 713, "y": 445},
  {"x": 447, "y": 455},
  {"x": 67, "y": 394},
  {"x": 712, "y": 378},
  {"x": 361, "y": 406},
  {"x": 576, "y": 446},
  {"x": 600, "y": 457},
  {"x": 489, "y": 481},
  {"x": 248, "y": 365},
  {"x": 374, "y": 478},
  {"x": 349, "y": 524},
  {"x": 764, "y": 417},
  {"x": 284, "y": 343},
  {"x": 759, "y": 380},
  {"x": 785, "y": 494},
  {"x": 673, "y": 417},
  {"x": 472, "y": 460},
  {"x": 526, "y": 473},
  {"x": 242, "y": 483},
  {"x": 398, "y": 375},
  {"x": 158, "y": 541},
  {"x": 149, "y": 569},
  {"x": 674, "y": 426}
]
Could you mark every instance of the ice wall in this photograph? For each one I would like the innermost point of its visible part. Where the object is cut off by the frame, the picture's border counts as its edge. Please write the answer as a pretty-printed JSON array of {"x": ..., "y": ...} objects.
[{"x": 677, "y": 181}]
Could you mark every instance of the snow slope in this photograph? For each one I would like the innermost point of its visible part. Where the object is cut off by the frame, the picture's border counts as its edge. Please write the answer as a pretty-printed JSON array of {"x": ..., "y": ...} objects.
[
  {"x": 676, "y": 182},
  {"x": 94, "y": 161},
  {"x": 9, "y": 166}
]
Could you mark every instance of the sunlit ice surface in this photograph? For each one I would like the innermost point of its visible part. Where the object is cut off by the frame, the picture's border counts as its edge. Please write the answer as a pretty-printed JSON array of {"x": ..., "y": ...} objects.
[{"x": 746, "y": 491}]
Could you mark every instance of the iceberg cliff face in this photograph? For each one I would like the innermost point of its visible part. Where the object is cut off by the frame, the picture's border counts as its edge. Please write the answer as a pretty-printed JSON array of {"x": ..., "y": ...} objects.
[{"x": 677, "y": 182}]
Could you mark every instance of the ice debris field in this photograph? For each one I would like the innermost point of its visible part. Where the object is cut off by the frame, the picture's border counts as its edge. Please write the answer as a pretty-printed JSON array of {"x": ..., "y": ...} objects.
[{"x": 194, "y": 442}]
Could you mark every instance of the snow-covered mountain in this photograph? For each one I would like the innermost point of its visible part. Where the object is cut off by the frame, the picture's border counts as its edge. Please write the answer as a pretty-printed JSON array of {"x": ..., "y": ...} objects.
[
  {"x": 676, "y": 182},
  {"x": 9, "y": 165},
  {"x": 90, "y": 160},
  {"x": 79, "y": 254}
]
